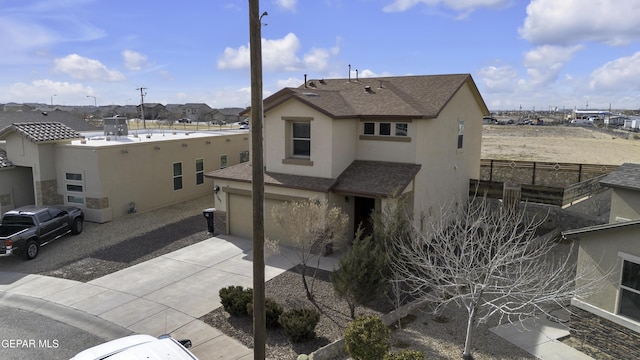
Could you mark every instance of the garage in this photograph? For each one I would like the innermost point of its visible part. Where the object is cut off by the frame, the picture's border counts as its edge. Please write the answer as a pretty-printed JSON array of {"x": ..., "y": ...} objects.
[{"x": 241, "y": 219}]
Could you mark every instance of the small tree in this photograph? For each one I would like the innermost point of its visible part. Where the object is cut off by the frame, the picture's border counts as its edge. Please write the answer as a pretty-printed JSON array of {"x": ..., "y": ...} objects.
[
  {"x": 360, "y": 278},
  {"x": 311, "y": 226},
  {"x": 489, "y": 261}
]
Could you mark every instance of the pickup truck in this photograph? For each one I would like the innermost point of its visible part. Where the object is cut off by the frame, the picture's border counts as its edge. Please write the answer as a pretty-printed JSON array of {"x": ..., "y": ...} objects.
[{"x": 24, "y": 230}]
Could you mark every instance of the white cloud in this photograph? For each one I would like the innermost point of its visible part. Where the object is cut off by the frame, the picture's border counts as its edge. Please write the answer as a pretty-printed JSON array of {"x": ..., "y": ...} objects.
[
  {"x": 499, "y": 79},
  {"x": 290, "y": 82},
  {"x": 287, "y": 4},
  {"x": 620, "y": 74},
  {"x": 545, "y": 62},
  {"x": 570, "y": 21},
  {"x": 458, "y": 5},
  {"x": 133, "y": 60},
  {"x": 278, "y": 55},
  {"x": 82, "y": 68},
  {"x": 62, "y": 90}
]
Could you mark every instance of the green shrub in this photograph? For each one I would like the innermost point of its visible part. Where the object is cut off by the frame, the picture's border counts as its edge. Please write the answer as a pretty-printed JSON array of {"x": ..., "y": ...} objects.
[
  {"x": 234, "y": 299},
  {"x": 367, "y": 338},
  {"x": 405, "y": 355},
  {"x": 273, "y": 310},
  {"x": 300, "y": 324}
]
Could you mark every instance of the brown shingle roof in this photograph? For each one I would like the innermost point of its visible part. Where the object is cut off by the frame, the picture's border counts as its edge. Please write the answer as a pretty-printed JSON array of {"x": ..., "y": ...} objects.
[
  {"x": 41, "y": 131},
  {"x": 367, "y": 178},
  {"x": 625, "y": 176},
  {"x": 402, "y": 96},
  {"x": 376, "y": 178},
  {"x": 242, "y": 172}
]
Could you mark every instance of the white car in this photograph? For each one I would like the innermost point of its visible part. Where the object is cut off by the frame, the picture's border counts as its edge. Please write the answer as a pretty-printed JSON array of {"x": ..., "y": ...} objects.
[{"x": 138, "y": 347}]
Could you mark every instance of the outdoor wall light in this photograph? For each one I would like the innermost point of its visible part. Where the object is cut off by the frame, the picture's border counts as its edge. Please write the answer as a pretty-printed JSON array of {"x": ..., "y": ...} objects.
[
  {"x": 216, "y": 189},
  {"x": 157, "y": 147},
  {"x": 184, "y": 145}
]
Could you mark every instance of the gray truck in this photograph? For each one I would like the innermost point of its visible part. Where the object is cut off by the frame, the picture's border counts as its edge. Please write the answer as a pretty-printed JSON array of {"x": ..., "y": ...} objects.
[{"x": 24, "y": 230}]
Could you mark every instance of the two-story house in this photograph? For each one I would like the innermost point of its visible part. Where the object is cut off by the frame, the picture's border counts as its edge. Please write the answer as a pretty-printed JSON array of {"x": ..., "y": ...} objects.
[
  {"x": 358, "y": 142},
  {"x": 609, "y": 318}
]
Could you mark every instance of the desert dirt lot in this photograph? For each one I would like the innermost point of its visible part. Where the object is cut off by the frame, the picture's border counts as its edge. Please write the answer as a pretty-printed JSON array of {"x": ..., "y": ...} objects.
[{"x": 569, "y": 144}]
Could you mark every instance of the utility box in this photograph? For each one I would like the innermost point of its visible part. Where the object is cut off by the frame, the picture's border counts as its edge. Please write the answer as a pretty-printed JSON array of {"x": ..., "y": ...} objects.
[{"x": 209, "y": 214}]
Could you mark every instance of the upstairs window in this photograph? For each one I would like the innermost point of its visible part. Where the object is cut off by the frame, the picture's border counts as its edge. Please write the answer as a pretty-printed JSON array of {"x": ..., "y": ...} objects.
[
  {"x": 301, "y": 139},
  {"x": 244, "y": 156},
  {"x": 460, "y": 133},
  {"x": 223, "y": 161},
  {"x": 401, "y": 129},
  {"x": 369, "y": 128},
  {"x": 385, "y": 129}
]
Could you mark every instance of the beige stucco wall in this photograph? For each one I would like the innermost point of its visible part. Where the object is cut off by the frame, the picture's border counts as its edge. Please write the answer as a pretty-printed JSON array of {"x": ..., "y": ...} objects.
[
  {"x": 598, "y": 256},
  {"x": 624, "y": 204},
  {"x": 446, "y": 170},
  {"x": 16, "y": 188},
  {"x": 328, "y": 154},
  {"x": 142, "y": 172}
]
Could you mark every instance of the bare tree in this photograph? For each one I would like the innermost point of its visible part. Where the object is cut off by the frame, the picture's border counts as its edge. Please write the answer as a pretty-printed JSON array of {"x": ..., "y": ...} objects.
[
  {"x": 312, "y": 227},
  {"x": 490, "y": 261}
]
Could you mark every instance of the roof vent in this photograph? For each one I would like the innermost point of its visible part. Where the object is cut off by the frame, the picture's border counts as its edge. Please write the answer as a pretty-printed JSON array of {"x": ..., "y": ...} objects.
[
  {"x": 368, "y": 89},
  {"x": 312, "y": 84},
  {"x": 44, "y": 113},
  {"x": 322, "y": 81}
]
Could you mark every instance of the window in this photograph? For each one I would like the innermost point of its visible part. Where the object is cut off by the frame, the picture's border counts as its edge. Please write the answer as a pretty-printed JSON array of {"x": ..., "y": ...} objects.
[
  {"x": 199, "y": 171},
  {"x": 630, "y": 290},
  {"x": 223, "y": 161},
  {"x": 74, "y": 188},
  {"x": 177, "y": 176},
  {"x": 460, "y": 133},
  {"x": 385, "y": 129},
  {"x": 401, "y": 129},
  {"x": 301, "y": 139},
  {"x": 369, "y": 128},
  {"x": 244, "y": 156}
]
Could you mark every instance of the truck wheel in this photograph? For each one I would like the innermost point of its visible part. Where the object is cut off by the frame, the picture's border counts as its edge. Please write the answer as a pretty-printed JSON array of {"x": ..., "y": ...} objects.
[
  {"x": 76, "y": 227},
  {"x": 31, "y": 249}
]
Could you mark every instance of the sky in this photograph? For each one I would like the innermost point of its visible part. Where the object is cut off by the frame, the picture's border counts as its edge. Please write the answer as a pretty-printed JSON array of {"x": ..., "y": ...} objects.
[{"x": 522, "y": 54}]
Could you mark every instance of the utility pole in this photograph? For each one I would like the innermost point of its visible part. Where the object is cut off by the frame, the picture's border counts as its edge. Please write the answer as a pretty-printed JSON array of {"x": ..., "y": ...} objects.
[
  {"x": 257, "y": 175},
  {"x": 142, "y": 94}
]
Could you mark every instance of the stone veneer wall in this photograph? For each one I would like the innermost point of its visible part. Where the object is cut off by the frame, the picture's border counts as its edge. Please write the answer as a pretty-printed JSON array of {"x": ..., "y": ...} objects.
[
  {"x": 609, "y": 337},
  {"x": 5, "y": 199},
  {"x": 97, "y": 203},
  {"x": 220, "y": 223},
  {"x": 47, "y": 193}
]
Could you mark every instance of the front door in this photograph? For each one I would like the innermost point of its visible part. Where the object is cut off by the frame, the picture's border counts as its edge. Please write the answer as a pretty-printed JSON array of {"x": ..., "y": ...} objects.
[{"x": 363, "y": 208}]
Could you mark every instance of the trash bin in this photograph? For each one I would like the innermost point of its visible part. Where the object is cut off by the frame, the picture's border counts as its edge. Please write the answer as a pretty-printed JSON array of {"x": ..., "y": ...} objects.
[{"x": 208, "y": 214}]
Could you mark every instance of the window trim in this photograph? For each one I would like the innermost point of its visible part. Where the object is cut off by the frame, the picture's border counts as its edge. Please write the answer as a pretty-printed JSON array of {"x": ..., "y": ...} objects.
[
  {"x": 200, "y": 173},
  {"x": 393, "y": 130},
  {"x": 460, "y": 138},
  {"x": 224, "y": 163},
  {"x": 305, "y": 139},
  {"x": 73, "y": 196},
  {"x": 244, "y": 156},
  {"x": 178, "y": 176},
  {"x": 634, "y": 260}
]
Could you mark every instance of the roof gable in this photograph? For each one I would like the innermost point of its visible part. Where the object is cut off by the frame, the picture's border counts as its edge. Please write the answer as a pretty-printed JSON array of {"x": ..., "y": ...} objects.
[{"x": 41, "y": 131}]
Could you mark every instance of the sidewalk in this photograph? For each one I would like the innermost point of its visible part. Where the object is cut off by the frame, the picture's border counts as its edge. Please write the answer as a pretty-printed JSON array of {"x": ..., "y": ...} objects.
[
  {"x": 169, "y": 293},
  {"x": 163, "y": 295}
]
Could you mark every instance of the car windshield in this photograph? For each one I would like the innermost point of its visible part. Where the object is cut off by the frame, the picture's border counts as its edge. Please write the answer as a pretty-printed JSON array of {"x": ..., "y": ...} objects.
[{"x": 17, "y": 220}]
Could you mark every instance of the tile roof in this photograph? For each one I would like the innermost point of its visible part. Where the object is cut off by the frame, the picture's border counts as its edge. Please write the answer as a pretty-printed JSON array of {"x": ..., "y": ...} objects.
[
  {"x": 63, "y": 117},
  {"x": 4, "y": 162},
  {"x": 41, "y": 131},
  {"x": 626, "y": 176},
  {"x": 376, "y": 178},
  {"x": 367, "y": 178},
  {"x": 402, "y": 96},
  {"x": 242, "y": 172}
]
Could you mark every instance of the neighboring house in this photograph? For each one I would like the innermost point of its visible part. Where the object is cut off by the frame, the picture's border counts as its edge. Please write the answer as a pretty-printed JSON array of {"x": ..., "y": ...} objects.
[
  {"x": 152, "y": 111},
  {"x": 357, "y": 143},
  {"x": 610, "y": 317},
  {"x": 16, "y": 107},
  {"x": 73, "y": 121},
  {"x": 111, "y": 176}
]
